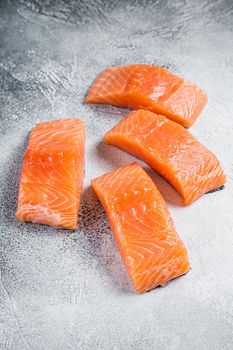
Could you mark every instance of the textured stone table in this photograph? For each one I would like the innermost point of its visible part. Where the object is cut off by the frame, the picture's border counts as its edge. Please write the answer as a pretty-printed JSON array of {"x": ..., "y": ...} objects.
[{"x": 69, "y": 290}]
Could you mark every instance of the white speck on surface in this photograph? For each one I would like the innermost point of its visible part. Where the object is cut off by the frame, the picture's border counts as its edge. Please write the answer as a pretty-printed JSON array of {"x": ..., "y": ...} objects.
[{"x": 69, "y": 290}]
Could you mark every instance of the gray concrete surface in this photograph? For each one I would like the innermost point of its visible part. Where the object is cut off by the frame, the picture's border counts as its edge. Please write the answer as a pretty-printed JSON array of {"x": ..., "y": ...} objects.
[{"x": 69, "y": 290}]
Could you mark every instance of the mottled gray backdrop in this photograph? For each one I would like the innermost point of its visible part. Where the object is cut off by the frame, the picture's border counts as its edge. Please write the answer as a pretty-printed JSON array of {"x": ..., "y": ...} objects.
[{"x": 69, "y": 290}]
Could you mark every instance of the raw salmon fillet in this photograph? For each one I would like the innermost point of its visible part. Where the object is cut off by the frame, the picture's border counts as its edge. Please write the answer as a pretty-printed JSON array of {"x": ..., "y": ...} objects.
[
  {"x": 52, "y": 174},
  {"x": 170, "y": 150},
  {"x": 144, "y": 231},
  {"x": 149, "y": 87}
]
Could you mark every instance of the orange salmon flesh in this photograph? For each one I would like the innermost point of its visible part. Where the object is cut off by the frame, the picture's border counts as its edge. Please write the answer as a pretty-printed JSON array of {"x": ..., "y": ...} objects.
[
  {"x": 143, "y": 229},
  {"x": 52, "y": 174},
  {"x": 149, "y": 87},
  {"x": 171, "y": 151}
]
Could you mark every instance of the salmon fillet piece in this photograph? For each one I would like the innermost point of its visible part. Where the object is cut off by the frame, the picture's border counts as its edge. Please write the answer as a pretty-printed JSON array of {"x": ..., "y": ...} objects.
[
  {"x": 143, "y": 229},
  {"x": 171, "y": 151},
  {"x": 149, "y": 87},
  {"x": 52, "y": 174}
]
